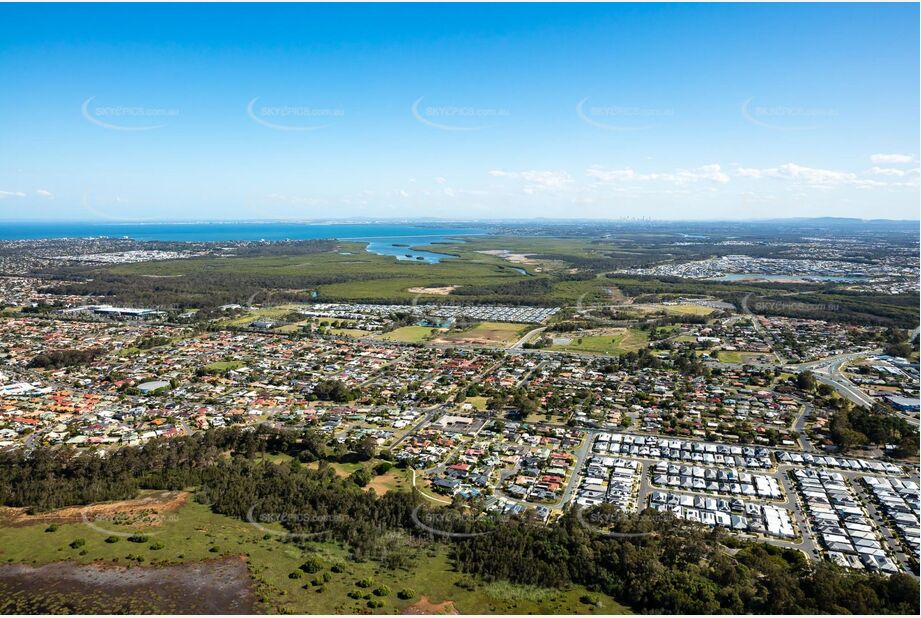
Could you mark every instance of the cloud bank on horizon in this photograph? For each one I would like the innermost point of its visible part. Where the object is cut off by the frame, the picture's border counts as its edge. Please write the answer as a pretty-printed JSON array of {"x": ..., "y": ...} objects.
[{"x": 472, "y": 112}]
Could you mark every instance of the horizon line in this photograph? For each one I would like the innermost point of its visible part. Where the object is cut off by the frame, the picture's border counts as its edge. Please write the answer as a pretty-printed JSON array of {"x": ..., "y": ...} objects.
[{"x": 379, "y": 220}]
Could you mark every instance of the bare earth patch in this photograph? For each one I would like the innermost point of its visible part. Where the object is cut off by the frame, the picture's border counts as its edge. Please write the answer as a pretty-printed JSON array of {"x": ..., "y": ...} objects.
[
  {"x": 514, "y": 258},
  {"x": 140, "y": 511},
  {"x": 443, "y": 291},
  {"x": 425, "y": 607}
]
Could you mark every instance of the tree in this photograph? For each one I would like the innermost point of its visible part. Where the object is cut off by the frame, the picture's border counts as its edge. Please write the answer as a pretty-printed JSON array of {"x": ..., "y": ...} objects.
[
  {"x": 360, "y": 477},
  {"x": 366, "y": 448},
  {"x": 806, "y": 381}
]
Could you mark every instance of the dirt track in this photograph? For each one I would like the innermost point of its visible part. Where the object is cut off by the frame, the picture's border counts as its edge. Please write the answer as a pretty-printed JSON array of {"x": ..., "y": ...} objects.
[{"x": 140, "y": 511}]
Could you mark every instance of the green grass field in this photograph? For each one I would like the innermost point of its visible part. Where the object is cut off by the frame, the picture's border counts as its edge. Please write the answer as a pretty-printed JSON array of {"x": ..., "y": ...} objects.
[
  {"x": 478, "y": 403},
  {"x": 488, "y": 333},
  {"x": 409, "y": 334},
  {"x": 193, "y": 533},
  {"x": 738, "y": 357},
  {"x": 222, "y": 366},
  {"x": 629, "y": 341}
]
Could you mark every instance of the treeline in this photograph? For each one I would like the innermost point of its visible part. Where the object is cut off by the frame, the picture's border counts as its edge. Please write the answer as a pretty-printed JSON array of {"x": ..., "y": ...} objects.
[
  {"x": 679, "y": 569},
  {"x": 530, "y": 287},
  {"x": 863, "y": 309},
  {"x": 854, "y": 426},
  {"x": 55, "y": 359},
  {"x": 204, "y": 289}
]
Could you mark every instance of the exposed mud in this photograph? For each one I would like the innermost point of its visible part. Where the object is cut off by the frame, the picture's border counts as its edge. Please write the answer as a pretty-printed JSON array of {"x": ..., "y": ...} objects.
[{"x": 211, "y": 587}]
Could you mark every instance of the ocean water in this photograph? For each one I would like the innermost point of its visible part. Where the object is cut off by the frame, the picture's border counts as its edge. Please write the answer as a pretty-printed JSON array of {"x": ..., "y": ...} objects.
[{"x": 383, "y": 238}]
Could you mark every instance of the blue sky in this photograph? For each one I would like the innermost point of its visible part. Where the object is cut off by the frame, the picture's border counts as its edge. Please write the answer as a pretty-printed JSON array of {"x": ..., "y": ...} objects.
[{"x": 167, "y": 112}]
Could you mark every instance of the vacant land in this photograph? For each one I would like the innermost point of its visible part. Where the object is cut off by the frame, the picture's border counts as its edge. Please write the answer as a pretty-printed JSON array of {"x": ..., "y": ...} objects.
[
  {"x": 602, "y": 341},
  {"x": 673, "y": 309},
  {"x": 743, "y": 357},
  {"x": 349, "y": 272},
  {"x": 219, "y": 586},
  {"x": 147, "y": 510},
  {"x": 201, "y": 542},
  {"x": 410, "y": 334},
  {"x": 486, "y": 333}
]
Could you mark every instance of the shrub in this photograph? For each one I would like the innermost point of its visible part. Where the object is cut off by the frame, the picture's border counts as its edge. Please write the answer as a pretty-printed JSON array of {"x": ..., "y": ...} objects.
[
  {"x": 590, "y": 599},
  {"x": 382, "y": 591},
  {"x": 312, "y": 565},
  {"x": 138, "y": 538},
  {"x": 360, "y": 477},
  {"x": 52, "y": 528},
  {"x": 78, "y": 543},
  {"x": 382, "y": 467},
  {"x": 112, "y": 539},
  {"x": 406, "y": 594}
]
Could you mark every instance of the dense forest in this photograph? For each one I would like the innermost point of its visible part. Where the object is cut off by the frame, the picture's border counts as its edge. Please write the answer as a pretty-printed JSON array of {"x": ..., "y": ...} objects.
[{"x": 675, "y": 567}]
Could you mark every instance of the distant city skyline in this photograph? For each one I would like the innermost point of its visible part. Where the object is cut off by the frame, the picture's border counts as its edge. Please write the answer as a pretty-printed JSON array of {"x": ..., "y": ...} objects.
[{"x": 130, "y": 113}]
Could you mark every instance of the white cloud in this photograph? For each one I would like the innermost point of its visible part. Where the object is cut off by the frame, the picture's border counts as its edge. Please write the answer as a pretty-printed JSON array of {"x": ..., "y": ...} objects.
[
  {"x": 887, "y": 171},
  {"x": 441, "y": 180},
  {"x": 706, "y": 173},
  {"x": 891, "y": 158},
  {"x": 537, "y": 179},
  {"x": 6, "y": 194},
  {"x": 44, "y": 193},
  {"x": 792, "y": 171}
]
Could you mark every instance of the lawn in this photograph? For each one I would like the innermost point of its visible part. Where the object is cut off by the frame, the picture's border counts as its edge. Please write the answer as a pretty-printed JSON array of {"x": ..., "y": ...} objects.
[
  {"x": 193, "y": 533},
  {"x": 735, "y": 357},
  {"x": 620, "y": 342},
  {"x": 479, "y": 403},
  {"x": 223, "y": 366}
]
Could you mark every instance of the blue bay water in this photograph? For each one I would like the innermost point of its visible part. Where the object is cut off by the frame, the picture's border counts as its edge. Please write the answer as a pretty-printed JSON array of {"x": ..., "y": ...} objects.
[{"x": 381, "y": 237}]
